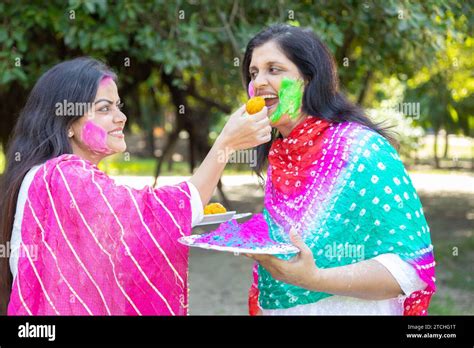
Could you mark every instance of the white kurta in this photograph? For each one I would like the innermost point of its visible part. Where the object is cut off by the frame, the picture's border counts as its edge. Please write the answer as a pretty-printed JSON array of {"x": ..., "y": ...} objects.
[{"x": 405, "y": 275}]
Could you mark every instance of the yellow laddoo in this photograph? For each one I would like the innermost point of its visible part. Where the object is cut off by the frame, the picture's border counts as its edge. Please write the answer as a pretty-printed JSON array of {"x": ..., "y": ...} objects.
[
  {"x": 214, "y": 208},
  {"x": 254, "y": 105}
]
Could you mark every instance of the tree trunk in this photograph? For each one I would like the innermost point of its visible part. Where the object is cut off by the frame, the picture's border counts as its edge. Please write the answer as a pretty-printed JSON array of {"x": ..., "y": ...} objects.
[
  {"x": 472, "y": 158},
  {"x": 203, "y": 148},
  {"x": 148, "y": 112},
  {"x": 170, "y": 163},
  {"x": 166, "y": 152},
  {"x": 446, "y": 145},
  {"x": 343, "y": 51},
  {"x": 150, "y": 142},
  {"x": 195, "y": 123},
  {"x": 365, "y": 87},
  {"x": 192, "y": 151},
  {"x": 435, "y": 149}
]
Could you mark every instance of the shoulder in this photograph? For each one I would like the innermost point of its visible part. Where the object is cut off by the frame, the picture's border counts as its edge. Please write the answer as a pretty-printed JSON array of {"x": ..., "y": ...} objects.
[
  {"x": 373, "y": 162},
  {"x": 361, "y": 143},
  {"x": 373, "y": 148},
  {"x": 70, "y": 165}
]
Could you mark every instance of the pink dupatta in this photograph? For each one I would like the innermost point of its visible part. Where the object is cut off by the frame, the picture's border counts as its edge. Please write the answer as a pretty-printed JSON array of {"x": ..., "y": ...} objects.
[{"x": 102, "y": 248}]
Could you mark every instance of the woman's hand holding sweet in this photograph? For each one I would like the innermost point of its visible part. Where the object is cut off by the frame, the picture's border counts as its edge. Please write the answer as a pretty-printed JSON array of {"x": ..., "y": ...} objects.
[{"x": 243, "y": 131}]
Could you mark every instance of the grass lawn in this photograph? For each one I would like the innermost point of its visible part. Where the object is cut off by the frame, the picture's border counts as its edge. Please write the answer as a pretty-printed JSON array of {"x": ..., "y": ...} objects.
[{"x": 451, "y": 219}]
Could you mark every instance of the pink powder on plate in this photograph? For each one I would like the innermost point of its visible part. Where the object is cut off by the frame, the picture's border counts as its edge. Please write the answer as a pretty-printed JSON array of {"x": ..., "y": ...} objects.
[
  {"x": 95, "y": 138},
  {"x": 251, "y": 234}
]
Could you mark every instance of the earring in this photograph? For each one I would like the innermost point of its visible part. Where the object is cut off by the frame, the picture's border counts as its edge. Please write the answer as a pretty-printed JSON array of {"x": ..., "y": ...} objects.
[{"x": 70, "y": 134}]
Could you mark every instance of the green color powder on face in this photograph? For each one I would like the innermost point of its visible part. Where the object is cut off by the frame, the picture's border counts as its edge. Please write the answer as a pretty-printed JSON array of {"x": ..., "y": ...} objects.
[{"x": 290, "y": 97}]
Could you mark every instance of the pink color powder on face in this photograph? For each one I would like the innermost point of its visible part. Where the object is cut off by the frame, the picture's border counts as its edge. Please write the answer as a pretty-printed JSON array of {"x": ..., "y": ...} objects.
[
  {"x": 105, "y": 80},
  {"x": 95, "y": 138},
  {"x": 251, "y": 89}
]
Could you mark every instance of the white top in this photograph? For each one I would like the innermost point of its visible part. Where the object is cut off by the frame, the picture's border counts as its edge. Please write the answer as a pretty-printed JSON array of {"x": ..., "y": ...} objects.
[
  {"x": 402, "y": 271},
  {"x": 197, "y": 213}
]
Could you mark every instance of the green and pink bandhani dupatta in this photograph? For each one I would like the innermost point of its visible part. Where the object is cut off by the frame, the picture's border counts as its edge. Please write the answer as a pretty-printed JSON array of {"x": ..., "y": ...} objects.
[
  {"x": 102, "y": 248},
  {"x": 346, "y": 191}
]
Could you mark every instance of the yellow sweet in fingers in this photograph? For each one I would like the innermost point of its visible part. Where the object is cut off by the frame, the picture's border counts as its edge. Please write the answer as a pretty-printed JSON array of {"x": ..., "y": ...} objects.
[
  {"x": 254, "y": 105},
  {"x": 214, "y": 208}
]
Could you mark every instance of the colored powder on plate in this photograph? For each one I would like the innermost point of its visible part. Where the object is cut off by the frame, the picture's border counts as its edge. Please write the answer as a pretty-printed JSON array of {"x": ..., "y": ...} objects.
[
  {"x": 250, "y": 235},
  {"x": 290, "y": 97},
  {"x": 95, "y": 138}
]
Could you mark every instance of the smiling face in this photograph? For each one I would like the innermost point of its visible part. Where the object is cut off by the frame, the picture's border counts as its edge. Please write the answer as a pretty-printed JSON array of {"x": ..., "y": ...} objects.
[
  {"x": 99, "y": 133},
  {"x": 268, "y": 66}
]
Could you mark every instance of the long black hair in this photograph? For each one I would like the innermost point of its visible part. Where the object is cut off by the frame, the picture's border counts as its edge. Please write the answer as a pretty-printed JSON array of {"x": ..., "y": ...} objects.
[
  {"x": 41, "y": 134},
  {"x": 322, "y": 97}
]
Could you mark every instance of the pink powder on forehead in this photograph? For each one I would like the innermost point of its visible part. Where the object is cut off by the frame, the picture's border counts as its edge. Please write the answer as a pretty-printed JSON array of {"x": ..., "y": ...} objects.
[
  {"x": 105, "y": 80},
  {"x": 251, "y": 89},
  {"x": 95, "y": 138}
]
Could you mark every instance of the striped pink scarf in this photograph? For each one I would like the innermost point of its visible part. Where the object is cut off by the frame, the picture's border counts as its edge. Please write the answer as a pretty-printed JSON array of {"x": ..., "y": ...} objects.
[{"x": 102, "y": 248}]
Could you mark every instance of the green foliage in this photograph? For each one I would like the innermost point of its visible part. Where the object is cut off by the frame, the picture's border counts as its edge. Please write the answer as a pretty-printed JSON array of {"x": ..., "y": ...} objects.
[
  {"x": 201, "y": 44},
  {"x": 446, "y": 89}
]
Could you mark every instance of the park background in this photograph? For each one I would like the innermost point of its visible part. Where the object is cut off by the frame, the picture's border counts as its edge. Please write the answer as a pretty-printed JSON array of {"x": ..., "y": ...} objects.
[{"x": 178, "y": 65}]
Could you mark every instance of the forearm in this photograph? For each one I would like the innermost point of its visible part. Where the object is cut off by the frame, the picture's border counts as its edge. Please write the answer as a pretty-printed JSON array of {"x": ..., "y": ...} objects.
[
  {"x": 209, "y": 172},
  {"x": 240, "y": 132},
  {"x": 367, "y": 280}
]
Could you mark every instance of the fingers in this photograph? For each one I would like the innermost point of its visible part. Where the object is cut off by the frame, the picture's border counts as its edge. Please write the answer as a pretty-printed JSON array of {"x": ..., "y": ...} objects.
[
  {"x": 261, "y": 115},
  {"x": 262, "y": 258},
  {"x": 265, "y": 130},
  {"x": 265, "y": 139},
  {"x": 240, "y": 110},
  {"x": 298, "y": 242},
  {"x": 249, "y": 130},
  {"x": 265, "y": 135},
  {"x": 263, "y": 123}
]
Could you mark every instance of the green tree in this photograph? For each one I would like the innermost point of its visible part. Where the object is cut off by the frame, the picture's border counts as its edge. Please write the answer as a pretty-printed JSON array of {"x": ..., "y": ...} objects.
[{"x": 186, "y": 55}]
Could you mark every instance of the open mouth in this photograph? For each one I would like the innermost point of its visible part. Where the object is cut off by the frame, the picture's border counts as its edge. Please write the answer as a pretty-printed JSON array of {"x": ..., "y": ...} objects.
[
  {"x": 271, "y": 100},
  {"x": 118, "y": 133}
]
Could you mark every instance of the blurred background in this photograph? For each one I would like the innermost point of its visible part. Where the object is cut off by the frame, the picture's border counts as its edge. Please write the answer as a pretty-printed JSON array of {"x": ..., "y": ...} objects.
[{"x": 178, "y": 64}]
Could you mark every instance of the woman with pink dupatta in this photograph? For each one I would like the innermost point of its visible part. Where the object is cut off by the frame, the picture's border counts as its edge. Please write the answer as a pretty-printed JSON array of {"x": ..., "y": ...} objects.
[{"x": 80, "y": 243}]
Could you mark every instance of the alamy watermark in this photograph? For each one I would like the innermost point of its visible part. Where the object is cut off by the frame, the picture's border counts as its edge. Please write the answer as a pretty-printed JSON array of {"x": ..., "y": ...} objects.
[
  {"x": 28, "y": 330},
  {"x": 408, "y": 109},
  {"x": 242, "y": 156},
  {"x": 66, "y": 108},
  {"x": 346, "y": 250},
  {"x": 27, "y": 250}
]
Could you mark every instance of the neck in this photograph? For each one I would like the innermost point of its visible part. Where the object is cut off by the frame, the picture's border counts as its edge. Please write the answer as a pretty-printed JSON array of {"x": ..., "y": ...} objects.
[
  {"x": 86, "y": 155},
  {"x": 285, "y": 129}
]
